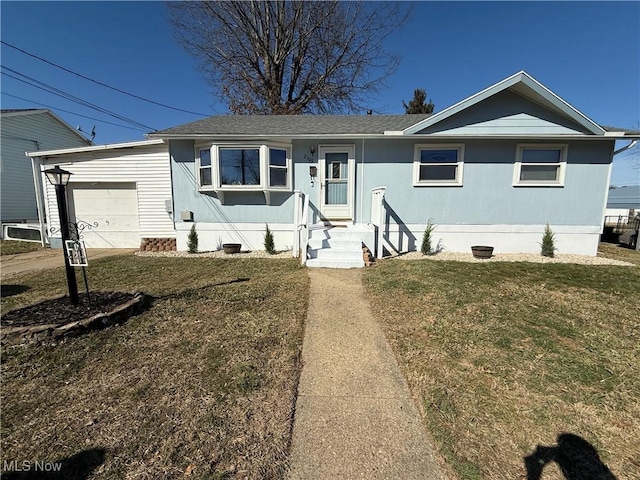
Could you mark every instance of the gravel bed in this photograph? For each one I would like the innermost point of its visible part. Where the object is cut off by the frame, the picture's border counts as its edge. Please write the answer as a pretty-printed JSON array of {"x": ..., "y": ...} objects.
[
  {"x": 442, "y": 256},
  {"x": 218, "y": 254},
  {"x": 514, "y": 257}
]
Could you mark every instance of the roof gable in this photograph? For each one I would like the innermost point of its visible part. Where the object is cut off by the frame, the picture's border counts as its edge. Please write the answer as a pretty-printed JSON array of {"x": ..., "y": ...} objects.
[
  {"x": 506, "y": 113},
  {"x": 47, "y": 113},
  {"x": 525, "y": 86}
]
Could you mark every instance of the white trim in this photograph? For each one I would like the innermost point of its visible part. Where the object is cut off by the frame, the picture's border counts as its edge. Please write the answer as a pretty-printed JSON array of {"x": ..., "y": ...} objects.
[
  {"x": 520, "y": 77},
  {"x": 94, "y": 148},
  {"x": 335, "y": 212},
  {"x": 561, "y": 165},
  {"x": 459, "y": 147},
  {"x": 606, "y": 197},
  {"x": 263, "y": 152}
]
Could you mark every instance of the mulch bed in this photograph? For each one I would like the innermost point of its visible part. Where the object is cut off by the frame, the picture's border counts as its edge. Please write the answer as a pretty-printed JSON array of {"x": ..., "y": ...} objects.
[{"x": 60, "y": 311}]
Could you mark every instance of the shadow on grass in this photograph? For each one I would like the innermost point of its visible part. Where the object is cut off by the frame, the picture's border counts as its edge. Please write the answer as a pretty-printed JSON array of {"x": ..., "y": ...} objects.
[
  {"x": 190, "y": 292},
  {"x": 577, "y": 459},
  {"x": 11, "y": 290},
  {"x": 76, "y": 467}
]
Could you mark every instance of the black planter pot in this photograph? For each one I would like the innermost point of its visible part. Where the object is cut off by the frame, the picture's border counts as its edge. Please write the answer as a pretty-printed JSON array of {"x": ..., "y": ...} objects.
[
  {"x": 482, "y": 251},
  {"x": 231, "y": 247}
]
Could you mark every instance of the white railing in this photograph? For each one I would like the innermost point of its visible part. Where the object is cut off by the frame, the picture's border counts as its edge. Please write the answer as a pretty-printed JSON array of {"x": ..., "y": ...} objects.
[
  {"x": 378, "y": 217},
  {"x": 304, "y": 231},
  {"x": 300, "y": 226},
  {"x": 297, "y": 217}
]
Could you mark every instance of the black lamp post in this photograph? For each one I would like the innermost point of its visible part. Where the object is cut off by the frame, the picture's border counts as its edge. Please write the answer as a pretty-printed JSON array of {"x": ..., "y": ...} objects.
[{"x": 59, "y": 179}]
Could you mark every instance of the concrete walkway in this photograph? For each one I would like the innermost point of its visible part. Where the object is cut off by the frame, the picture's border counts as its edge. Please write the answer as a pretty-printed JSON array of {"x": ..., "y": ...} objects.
[
  {"x": 50, "y": 258},
  {"x": 355, "y": 417}
]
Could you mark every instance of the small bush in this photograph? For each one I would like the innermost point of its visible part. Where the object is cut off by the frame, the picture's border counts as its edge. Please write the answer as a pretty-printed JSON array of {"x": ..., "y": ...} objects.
[
  {"x": 192, "y": 244},
  {"x": 269, "y": 244},
  {"x": 548, "y": 244},
  {"x": 427, "y": 239}
]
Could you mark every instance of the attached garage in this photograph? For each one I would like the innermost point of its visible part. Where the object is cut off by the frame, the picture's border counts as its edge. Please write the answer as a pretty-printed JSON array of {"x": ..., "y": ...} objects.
[
  {"x": 120, "y": 193},
  {"x": 111, "y": 211}
]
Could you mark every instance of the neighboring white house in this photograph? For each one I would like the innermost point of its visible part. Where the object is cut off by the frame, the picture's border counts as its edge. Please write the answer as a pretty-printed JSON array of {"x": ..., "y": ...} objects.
[
  {"x": 22, "y": 131},
  {"x": 120, "y": 195}
]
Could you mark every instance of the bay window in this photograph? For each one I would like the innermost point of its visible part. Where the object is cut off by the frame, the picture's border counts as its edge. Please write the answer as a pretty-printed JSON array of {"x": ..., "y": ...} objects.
[{"x": 244, "y": 167}]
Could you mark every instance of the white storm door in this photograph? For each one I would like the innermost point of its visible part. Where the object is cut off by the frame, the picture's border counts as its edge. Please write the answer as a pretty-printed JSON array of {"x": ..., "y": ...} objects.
[{"x": 337, "y": 165}]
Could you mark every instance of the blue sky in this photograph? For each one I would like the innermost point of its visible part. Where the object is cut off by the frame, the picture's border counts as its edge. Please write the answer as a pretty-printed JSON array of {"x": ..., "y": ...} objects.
[{"x": 588, "y": 53}]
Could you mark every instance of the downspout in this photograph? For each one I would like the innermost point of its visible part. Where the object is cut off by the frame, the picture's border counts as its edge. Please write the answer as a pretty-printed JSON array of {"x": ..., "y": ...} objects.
[
  {"x": 37, "y": 183},
  {"x": 624, "y": 149},
  {"x": 616, "y": 152},
  {"x": 362, "y": 186}
]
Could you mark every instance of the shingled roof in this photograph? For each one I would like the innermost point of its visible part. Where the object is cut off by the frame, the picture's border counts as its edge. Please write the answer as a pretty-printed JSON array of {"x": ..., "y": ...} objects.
[{"x": 292, "y": 125}]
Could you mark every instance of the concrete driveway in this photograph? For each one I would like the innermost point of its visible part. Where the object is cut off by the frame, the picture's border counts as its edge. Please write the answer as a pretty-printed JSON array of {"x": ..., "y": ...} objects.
[{"x": 50, "y": 258}]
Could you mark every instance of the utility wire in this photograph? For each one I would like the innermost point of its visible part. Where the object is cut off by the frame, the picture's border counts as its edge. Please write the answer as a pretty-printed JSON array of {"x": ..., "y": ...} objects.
[
  {"x": 73, "y": 113},
  {"x": 100, "y": 83},
  {"x": 61, "y": 93}
]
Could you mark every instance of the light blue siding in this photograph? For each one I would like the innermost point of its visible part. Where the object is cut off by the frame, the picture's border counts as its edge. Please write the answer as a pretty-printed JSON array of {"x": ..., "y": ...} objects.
[
  {"x": 487, "y": 195},
  {"x": 238, "y": 207},
  {"x": 505, "y": 113}
]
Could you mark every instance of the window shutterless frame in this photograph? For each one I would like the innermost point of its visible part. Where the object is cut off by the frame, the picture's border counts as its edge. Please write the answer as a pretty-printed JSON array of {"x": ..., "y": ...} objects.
[
  {"x": 244, "y": 167},
  {"x": 540, "y": 165},
  {"x": 204, "y": 175},
  {"x": 438, "y": 165}
]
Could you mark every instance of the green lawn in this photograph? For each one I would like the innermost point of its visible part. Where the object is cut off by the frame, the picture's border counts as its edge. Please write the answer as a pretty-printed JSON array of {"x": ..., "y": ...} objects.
[
  {"x": 12, "y": 247},
  {"x": 202, "y": 383},
  {"x": 502, "y": 357}
]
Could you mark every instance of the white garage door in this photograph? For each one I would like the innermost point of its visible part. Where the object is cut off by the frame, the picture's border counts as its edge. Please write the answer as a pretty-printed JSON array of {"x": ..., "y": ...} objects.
[{"x": 113, "y": 206}]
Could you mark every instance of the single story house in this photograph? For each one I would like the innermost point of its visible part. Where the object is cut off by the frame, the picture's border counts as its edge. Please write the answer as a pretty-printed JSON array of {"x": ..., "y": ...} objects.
[
  {"x": 119, "y": 195},
  {"x": 493, "y": 169},
  {"x": 25, "y": 130}
]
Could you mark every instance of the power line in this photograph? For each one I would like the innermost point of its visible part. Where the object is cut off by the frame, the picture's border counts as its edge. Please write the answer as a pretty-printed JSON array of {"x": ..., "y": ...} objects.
[
  {"x": 70, "y": 97},
  {"x": 101, "y": 83},
  {"x": 61, "y": 93},
  {"x": 57, "y": 109}
]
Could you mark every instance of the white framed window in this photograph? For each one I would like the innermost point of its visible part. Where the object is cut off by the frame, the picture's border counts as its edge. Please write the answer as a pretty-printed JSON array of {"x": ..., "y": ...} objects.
[
  {"x": 540, "y": 165},
  {"x": 238, "y": 166},
  {"x": 279, "y": 168},
  {"x": 438, "y": 165},
  {"x": 205, "y": 177},
  {"x": 230, "y": 166}
]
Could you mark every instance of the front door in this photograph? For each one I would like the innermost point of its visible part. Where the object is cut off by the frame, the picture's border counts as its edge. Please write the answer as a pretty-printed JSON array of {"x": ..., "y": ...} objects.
[{"x": 337, "y": 165}]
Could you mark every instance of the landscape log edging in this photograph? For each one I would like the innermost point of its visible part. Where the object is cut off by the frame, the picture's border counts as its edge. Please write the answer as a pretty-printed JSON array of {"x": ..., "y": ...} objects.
[{"x": 42, "y": 333}]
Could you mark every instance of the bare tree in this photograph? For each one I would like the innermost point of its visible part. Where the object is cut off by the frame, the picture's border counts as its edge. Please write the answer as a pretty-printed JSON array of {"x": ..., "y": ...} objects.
[{"x": 290, "y": 57}]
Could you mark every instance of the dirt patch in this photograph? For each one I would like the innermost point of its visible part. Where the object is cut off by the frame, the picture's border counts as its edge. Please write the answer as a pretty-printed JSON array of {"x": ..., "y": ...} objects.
[{"x": 60, "y": 310}]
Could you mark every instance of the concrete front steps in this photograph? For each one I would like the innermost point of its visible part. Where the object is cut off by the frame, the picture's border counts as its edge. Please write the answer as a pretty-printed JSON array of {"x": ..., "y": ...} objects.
[{"x": 337, "y": 247}]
